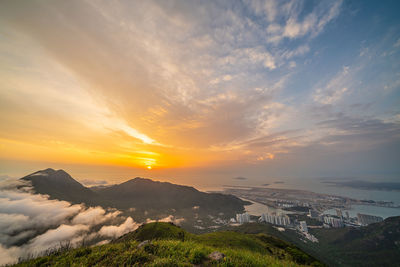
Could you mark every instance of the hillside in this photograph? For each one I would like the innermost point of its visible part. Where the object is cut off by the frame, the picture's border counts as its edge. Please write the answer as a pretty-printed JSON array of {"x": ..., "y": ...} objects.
[
  {"x": 172, "y": 246},
  {"x": 142, "y": 198},
  {"x": 373, "y": 245}
]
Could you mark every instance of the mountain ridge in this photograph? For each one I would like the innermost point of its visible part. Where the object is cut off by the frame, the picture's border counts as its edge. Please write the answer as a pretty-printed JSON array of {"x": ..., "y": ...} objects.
[{"x": 141, "y": 198}]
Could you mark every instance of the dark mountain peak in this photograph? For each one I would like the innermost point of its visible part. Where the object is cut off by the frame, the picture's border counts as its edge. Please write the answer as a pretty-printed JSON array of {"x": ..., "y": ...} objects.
[
  {"x": 46, "y": 172},
  {"x": 62, "y": 172},
  {"x": 51, "y": 174},
  {"x": 60, "y": 185},
  {"x": 140, "y": 179}
]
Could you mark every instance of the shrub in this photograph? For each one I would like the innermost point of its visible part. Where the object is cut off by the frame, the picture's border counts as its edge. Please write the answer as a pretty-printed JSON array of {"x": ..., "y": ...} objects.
[
  {"x": 197, "y": 256},
  {"x": 82, "y": 252},
  {"x": 150, "y": 248}
]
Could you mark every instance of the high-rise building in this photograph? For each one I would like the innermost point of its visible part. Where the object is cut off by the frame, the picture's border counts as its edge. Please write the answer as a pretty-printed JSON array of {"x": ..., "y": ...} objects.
[
  {"x": 365, "y": 219},
  {"x": 303, "y": 226},
  {"x": 243, "y": 218},
  {"x": 334, "y": 222},
  {"x": 277, "y": 220}
]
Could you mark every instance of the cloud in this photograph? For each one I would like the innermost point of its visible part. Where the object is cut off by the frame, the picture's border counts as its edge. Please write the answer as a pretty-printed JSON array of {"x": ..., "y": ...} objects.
[
  {"x": 170, "y": 218},
  {"x": 9, "y": 255},
  {"x": 31, "y": 223},
  {"x": 53, "y": 237},
  {"x": 173, "y": 219},
  {"x": 24, "y": 210},
  {"x": 334, "y": 89},
  {"x": 240, "y": 178},
  {"x": 88, "y": 182},
  {"x": 212, "y": 77},
  {"x": 94, "y": 216},
  {"x": 397, "y": 43},
  {"x": 370, "y": 132},
  {"x": 158, "y": 90},
  {"x": 286, "y": 21},
  {"x": 115, "y": 231}
]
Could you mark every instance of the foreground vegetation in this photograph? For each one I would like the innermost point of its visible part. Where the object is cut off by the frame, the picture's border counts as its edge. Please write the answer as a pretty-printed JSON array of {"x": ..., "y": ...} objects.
[
  {"x": 377, "y": 244},
  {"x": 172, "y": 246}
]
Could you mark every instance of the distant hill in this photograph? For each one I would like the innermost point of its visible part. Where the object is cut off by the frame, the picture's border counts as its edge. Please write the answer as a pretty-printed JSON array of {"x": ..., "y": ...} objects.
[
  {"x": 373, "y": 245},
  {"x": 141, "y": 198},
  {"x": 169, "y": 245},
  {"x": 150, "y": 194}
]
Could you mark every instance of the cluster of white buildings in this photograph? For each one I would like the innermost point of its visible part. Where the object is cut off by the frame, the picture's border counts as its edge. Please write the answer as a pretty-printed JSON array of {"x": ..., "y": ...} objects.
[
  {"x": 277, "y": 220},
  {"x": 365, "y": 219},
  {"x": 286, "y": 205},
  {"x": 333, "y": 222},
  {"x": 243, "y": 218}
]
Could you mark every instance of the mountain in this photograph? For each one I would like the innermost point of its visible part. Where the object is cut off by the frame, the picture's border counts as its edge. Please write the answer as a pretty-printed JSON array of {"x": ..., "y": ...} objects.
[
  {"x": 60, "y": 185},
  {"x": 142, "y": 198},
  {"x": 373, "y": 245},
  {"x": 169, "y": 245},
  {"x": 150, "y": 194}
]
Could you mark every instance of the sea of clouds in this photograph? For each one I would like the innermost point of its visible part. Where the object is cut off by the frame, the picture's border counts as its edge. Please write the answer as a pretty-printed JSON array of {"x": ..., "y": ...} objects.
[{"x": 31, "y": 224}]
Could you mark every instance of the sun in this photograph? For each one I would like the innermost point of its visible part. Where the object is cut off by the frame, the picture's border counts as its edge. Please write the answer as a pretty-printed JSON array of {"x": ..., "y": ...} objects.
[{"x": 149, "y": 167}]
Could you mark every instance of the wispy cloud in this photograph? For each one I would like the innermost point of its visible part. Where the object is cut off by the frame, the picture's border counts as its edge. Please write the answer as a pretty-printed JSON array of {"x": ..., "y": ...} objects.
[
  {"x": 170, "y": 78},
  {"x": 334, "y": 90}
]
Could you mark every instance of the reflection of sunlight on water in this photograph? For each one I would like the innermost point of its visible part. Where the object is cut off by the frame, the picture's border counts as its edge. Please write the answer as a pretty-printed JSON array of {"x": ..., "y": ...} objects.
[{"x": 257, "y": 209}]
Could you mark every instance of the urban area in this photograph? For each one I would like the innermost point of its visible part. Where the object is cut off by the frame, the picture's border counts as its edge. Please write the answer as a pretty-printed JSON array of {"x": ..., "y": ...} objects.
[{"x": 300, "y": 210}]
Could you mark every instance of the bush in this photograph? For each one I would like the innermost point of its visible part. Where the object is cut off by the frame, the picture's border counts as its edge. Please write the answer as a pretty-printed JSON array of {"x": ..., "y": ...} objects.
[
  {"x": 197, "y": 256},
  {"x": 150, "y": 248},
  {"x": 82, "y": 252}
]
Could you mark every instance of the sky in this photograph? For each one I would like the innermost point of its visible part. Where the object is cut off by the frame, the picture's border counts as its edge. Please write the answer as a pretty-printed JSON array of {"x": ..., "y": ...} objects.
[{"x": 200, "y": 91}]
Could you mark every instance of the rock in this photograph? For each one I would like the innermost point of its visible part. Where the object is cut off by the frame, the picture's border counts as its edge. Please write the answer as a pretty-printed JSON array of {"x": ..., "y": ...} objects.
[
  {"x": 144, "y": 243},
  {"x": 216, "y": 256}
]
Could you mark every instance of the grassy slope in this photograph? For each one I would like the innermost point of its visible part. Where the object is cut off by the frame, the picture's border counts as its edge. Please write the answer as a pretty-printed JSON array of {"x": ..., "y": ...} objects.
[
  {"x": 172, "y": 246},
  {"x": 374, "y": 245}
]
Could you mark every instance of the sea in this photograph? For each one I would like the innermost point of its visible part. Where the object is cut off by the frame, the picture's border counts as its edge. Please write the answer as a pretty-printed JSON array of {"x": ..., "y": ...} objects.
[{"x": 319, "y": 186}]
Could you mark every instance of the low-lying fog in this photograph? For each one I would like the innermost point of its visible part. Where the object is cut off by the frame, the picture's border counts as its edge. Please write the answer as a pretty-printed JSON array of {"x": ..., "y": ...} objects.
[{"x": 31, "y": 223}]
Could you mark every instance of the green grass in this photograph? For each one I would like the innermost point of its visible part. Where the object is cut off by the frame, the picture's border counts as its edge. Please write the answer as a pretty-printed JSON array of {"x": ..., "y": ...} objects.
[
  {"x": 158, "y": 253},
  {"x": 172, "y": 246}
]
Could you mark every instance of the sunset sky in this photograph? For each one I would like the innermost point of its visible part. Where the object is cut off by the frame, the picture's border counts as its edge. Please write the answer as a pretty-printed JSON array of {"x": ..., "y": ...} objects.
[{"x": 195, "y": 89}]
